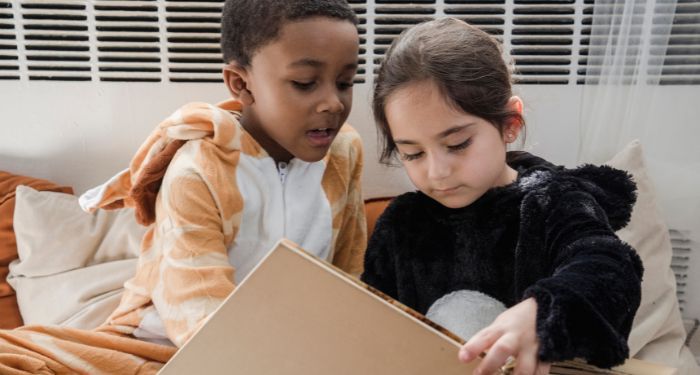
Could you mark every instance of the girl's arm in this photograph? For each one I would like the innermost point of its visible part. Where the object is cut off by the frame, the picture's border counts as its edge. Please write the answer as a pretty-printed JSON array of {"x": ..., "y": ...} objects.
[
  {"x": 584, "y": 309},
  {"x": 587, "y": 305}
]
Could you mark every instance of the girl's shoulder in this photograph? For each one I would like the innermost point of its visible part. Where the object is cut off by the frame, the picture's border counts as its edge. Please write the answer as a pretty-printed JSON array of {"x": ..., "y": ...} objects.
[
  {"x": 612, "y": 189},
  {"x": 408, "y": 209},
  {"x": 405, "y": 217}
]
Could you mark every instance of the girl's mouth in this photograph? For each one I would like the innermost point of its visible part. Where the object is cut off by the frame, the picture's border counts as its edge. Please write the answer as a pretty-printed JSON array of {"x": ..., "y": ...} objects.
[{"x": 447, "y": 191}]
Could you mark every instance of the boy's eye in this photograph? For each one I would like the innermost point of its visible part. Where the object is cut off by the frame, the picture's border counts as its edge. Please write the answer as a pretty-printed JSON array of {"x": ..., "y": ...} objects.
[
  {"x": 303, "y": 86},
  {"x": 345, "y": 85},
  {"x": 460, "y": 146},
  {"x": 409, "y": 157}
]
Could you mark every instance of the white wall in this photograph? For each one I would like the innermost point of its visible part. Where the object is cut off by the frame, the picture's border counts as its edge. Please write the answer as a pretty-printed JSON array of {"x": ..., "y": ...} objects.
[{"x": 80, "y": 134}]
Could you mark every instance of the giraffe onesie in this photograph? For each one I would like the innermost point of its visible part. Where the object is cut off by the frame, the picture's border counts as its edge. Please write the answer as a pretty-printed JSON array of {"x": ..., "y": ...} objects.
[{"x": 215, "y": 202}]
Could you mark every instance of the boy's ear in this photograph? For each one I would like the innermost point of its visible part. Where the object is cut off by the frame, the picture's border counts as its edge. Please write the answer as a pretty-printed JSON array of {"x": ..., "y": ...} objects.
[
  {"x": 515, "y": 125},
  {"x": 236, "y": 79}
]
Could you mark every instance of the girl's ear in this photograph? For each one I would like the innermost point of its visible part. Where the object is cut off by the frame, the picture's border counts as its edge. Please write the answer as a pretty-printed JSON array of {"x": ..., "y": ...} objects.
[
  {"x": 236, "y": 79},
  {"x": 514, "y": 125}
]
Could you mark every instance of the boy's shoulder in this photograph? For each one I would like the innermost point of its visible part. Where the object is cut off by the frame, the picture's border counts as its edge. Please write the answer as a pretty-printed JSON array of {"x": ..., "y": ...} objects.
[
  {"x": 347, "y": 144},
  {"x": 346, "y": 137}
]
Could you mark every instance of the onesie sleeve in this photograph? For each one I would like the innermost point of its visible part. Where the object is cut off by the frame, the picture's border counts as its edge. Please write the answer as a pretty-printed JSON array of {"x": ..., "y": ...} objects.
[
  {"x": 352, "y": 233},
  {"x": 194, "y": 275},
  {"x": 586, "y": 306}
]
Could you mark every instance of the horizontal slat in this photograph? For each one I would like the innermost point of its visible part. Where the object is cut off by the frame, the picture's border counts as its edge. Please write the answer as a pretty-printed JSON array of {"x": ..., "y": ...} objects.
[{"x": 544, "y": 38}]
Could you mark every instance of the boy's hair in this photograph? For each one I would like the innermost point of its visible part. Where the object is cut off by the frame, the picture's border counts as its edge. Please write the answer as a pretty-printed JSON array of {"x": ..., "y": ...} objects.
[
  {"x": 464, "y": 62},
  {"x": 247, "y": 25}
]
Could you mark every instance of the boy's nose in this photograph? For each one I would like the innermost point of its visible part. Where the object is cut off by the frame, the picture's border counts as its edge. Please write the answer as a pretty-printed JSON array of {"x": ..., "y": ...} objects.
[{"x": 331, "y": 103}]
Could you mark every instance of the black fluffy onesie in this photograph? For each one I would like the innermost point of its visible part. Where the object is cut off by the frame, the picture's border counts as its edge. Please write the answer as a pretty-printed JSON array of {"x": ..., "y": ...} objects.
[{"x": 548, "y": 235}]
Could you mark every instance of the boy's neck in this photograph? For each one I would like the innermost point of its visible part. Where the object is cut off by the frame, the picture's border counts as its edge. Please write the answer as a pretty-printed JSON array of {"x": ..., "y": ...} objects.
[{"x": 276, "y": 152}]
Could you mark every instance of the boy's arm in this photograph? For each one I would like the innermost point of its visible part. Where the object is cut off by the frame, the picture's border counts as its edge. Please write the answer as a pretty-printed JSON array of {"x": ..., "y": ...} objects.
[
  {"x": 194, "y": 275},
  {"x": 586, "y": 307},
  {"x": 352, "y": 233}
]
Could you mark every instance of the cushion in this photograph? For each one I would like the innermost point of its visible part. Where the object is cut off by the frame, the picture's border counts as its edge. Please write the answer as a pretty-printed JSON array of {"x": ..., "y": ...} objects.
[
  {"x": 9, "y": 312},
  {"x": 374, "y": 208},
  {"x": 657, "y": 333},
  {"x": 72, "y": 265}
]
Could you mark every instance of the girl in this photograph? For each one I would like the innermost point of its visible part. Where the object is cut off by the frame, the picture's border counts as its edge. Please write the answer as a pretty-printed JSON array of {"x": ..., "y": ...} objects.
[{"x": 536, "y": 237}]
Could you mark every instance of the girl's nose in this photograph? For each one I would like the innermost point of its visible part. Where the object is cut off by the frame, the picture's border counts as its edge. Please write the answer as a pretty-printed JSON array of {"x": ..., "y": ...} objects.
[{"x": 438, "y": 166}]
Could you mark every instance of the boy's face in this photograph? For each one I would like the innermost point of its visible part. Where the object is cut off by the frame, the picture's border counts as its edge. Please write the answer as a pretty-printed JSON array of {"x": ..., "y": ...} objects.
[
  {"x": 451, "y": 156},
  {"x": 300, "y": 88}
]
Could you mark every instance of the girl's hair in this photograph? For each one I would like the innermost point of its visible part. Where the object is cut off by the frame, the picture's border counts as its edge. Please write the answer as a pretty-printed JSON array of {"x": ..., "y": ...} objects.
[{"x": 464, "y": 62}]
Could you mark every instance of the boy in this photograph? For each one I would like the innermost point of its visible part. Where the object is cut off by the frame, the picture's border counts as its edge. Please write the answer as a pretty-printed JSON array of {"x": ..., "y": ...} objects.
[{"x": 223, "y": 183}]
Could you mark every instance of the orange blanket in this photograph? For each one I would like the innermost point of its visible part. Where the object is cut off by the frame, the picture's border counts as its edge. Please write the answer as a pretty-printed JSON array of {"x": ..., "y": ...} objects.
[{"x": 63, "y": 350}]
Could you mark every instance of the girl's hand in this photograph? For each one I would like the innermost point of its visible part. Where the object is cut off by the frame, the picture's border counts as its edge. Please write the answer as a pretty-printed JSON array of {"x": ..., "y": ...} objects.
[{"x": 512, "y": 334}]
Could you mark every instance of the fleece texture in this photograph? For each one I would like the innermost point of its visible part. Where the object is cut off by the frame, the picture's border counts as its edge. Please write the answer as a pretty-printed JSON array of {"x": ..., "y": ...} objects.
[
  {"x": 220, "y": 206},
  {"x": 217, "y": 198},
  {"x": 548, "y": 235}
]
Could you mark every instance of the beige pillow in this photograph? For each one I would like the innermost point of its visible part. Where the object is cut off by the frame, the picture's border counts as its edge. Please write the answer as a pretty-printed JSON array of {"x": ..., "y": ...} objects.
[
  {"x": 72, "y": 265},
  {"x": 657, "y": 332}
]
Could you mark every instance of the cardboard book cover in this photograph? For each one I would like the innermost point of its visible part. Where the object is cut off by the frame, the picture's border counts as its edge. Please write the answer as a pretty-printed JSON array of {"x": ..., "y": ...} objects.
[{"x": 295, "y": 314}]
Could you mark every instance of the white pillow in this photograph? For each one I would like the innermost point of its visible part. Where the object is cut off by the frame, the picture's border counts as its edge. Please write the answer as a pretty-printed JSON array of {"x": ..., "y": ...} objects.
[
  {"x": 72, "y": 265},
  {"x": 657, "y": 333}
]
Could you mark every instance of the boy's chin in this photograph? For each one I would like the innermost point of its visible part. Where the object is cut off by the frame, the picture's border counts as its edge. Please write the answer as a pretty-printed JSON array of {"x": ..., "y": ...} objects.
[{"x": 312, "y": 157}]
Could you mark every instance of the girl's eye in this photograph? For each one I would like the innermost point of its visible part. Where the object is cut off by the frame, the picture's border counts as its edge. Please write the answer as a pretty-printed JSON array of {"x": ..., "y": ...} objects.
[
  {"x": 409, "y": 157},
  {"x": 460, "y": 146},
  {"x": 303, "y": 86}
]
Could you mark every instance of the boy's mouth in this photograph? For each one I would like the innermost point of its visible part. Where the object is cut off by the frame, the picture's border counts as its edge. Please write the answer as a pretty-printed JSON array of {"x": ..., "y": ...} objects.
[{"x": 321, "y": 137}]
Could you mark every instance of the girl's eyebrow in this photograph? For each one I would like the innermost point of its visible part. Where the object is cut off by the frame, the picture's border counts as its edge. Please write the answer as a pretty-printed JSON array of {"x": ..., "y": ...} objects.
[
  {"x": 454, "y": 129},
  {"x": 443, "y": 134}
]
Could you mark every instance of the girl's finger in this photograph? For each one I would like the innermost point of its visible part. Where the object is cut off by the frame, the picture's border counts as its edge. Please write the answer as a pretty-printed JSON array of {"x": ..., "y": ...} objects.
[
  {"x": 481, "y": 341},
  {"x": 527, "y": 361},
  {"x": 497, "y": 355},
  {"x": 543, "y": 368}
]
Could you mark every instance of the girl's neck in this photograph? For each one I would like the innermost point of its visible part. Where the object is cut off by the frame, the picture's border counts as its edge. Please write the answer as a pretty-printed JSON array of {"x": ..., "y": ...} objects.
[{"x": 508, "y": 176}]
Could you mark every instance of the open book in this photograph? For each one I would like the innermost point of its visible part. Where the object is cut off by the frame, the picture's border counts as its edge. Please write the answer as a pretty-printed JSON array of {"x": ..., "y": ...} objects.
[{"x": 295, "y": 314}]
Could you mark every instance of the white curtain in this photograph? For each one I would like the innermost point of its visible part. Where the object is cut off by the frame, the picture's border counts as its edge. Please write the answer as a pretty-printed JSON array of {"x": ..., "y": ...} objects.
[{"x": 626, "y": 97}]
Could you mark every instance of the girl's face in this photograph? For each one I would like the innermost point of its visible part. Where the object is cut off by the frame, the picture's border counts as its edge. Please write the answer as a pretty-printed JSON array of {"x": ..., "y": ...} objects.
[
  {"x": 451, "y": 156},
  {"x": 299, "y": 87}
]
